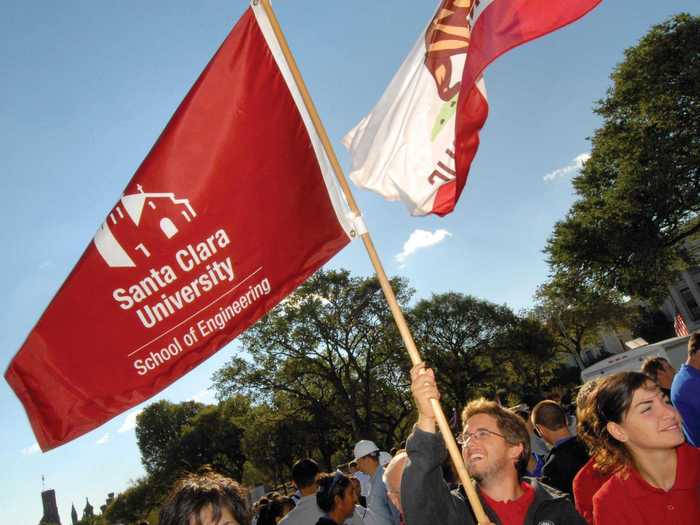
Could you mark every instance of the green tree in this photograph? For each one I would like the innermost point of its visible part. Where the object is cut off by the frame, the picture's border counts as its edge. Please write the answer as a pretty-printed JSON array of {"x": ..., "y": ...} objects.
[
  {"x": 639, "y": 194},
  {"x": 478, "y": 348},
  {"x": 463, "y": 340},
  {"x": 176, "y": 438},
  {"x": 275, "y": 437},
  {"x": 534, "y": 365},
  {"x": 213, "y": 438},
  {"x": 576, "y": 309},
  {"x": 134, "y": 503},
  {"x": 158, "y": 431},
  {"x": 332, "y": 350}
]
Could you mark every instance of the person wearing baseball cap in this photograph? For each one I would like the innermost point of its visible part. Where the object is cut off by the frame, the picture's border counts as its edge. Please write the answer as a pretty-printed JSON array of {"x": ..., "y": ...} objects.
[{"x": 366, "y": 454}]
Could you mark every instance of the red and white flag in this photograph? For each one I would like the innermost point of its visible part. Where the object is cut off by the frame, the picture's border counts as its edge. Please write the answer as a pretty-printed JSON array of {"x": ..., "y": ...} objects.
[
  {"x": 418, "y": 142},
  {"x": 232, "y": 209},
  {"x": 679, "y": 325}
]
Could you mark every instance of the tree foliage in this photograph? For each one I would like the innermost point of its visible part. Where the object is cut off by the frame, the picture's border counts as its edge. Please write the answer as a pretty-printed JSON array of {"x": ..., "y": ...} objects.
[
  {"x": 639, "y": 194},
  {"x": 329, "y": 362},
  {"x": 576, "y": 309},
  {"x": 330, "y": 353},
  {"x": 176, "y": 438},
  {"x": 478, "y": 348},
  {"x": 134, "y": 503},
  {"x": 158, "y": 432},
  {"x": 461, "y": 337}
]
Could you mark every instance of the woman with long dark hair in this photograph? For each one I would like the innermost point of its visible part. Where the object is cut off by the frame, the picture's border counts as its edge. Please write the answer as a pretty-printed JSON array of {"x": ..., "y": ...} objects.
[
  {"x": 336, "y": 498},
  {"x": 635, "y": 434}
]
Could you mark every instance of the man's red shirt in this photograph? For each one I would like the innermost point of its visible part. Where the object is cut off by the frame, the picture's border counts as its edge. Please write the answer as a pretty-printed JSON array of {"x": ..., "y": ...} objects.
[{"x": 512, "y": 512}]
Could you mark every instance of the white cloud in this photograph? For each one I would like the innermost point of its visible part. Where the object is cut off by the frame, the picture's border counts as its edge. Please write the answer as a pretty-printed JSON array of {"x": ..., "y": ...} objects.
[
  {"x": 575, "y": 165},
  {"x": 420, "y": 239},
  {"x": 129, "y": 423},
  {"x": 203, "y": 396},
  {"x": 104, "y": 439},
  {"x": 32, "y": 449}
]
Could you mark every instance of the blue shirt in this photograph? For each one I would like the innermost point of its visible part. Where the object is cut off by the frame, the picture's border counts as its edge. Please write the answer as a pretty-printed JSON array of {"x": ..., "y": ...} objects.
[
  {"x": 685, "y": 396},
  {"x": 378, "y": 502}
]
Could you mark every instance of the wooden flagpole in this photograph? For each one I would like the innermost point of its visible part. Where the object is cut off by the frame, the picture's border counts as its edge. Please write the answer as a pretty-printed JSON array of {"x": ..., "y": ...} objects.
[{"x": 399, "y": 318}]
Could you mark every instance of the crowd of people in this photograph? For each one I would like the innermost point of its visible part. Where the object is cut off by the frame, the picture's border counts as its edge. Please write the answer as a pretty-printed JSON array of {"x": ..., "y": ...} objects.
[{"x": 629, "y": 457}]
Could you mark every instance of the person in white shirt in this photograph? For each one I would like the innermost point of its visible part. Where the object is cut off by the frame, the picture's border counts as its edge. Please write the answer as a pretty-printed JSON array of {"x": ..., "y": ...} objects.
[
  {"x": 305, "y": 476},
  {"x": 367, "y": 456},
  {"x": 362, "y": 478}
]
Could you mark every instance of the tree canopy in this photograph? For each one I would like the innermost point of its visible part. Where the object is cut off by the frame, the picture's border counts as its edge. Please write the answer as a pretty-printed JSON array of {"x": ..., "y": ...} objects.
[
  {"x": 576, "y": 309},
  {"x": 639, "y": 193},
  {"x": 331, "y": 353},
  {"x": 478, "y": 348}
]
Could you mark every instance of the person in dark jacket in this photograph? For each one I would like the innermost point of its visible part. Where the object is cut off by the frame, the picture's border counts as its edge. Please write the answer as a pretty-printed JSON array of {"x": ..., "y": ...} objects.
[
  {"x": 495, "y": 448},
  {"x": 567, "y": 455}
]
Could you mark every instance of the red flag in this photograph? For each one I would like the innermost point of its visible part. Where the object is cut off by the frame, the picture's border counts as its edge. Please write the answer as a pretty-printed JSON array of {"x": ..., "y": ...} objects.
[
  {"x": 679, "y": 325},
  {"x": 234, "y": 207}
]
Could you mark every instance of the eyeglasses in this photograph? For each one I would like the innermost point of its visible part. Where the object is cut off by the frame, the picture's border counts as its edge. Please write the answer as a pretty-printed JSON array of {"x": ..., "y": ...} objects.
[
  {"x": 465, "y": 437},
  {"x": 536, "y": 431}
]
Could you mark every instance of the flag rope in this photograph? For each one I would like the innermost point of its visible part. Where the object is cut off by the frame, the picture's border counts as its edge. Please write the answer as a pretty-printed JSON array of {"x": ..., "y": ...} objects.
[{"x": 399, "y": 318}]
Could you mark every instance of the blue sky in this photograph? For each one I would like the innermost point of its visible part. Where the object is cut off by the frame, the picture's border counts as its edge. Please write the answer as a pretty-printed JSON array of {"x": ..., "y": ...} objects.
[{"x": 88, "y": 86}]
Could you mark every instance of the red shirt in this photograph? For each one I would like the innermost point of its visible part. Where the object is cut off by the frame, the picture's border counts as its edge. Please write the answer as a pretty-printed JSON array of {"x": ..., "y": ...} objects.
[
  {"x": 586, "y": 484},
  {"x": 512, "y": 512},
  {"x": 633, "y": 501}
]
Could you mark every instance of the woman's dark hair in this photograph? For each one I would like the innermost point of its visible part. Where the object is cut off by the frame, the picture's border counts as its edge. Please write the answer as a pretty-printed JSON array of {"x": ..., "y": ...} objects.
[
  {"x": 610, "y": 402},
  {"x": 273, "y": 509},
  {"x": 330, "y": 486},
  {"x": 194, "y": 492}
]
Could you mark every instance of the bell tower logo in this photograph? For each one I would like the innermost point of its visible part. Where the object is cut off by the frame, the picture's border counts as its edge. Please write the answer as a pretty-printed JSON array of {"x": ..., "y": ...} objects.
[{"x": 138, "y": 220}]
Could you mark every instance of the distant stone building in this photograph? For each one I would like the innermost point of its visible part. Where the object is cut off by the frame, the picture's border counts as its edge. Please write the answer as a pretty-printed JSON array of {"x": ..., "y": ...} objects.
[
  {"x": 88, "y": 511},
  {"x": 48, "y": 500},
  {"x": 684, "y": 300}
]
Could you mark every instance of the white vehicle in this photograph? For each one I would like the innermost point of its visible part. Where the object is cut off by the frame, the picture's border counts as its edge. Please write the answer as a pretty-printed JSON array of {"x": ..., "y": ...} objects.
[{"x": 675, "y": 350}]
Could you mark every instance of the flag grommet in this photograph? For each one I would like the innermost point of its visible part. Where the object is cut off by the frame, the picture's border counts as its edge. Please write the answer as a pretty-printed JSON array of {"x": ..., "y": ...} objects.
[{"x": 359, "y": 226}]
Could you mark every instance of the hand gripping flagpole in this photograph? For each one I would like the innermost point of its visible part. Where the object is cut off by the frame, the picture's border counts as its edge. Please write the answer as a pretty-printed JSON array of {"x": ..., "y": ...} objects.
[{"x": 399, "y": 318}]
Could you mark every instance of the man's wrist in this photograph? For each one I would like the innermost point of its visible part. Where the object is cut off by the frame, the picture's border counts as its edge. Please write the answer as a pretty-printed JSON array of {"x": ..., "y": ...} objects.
[{"x": 426, "y": 424}]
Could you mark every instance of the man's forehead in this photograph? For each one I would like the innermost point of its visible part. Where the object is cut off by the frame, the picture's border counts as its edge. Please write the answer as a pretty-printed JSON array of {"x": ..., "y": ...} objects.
[{"x": 481, "y": 421}]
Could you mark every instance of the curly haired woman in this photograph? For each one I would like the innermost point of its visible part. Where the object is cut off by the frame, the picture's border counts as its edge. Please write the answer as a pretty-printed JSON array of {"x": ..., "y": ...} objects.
[{"x": 636, "y": 436}]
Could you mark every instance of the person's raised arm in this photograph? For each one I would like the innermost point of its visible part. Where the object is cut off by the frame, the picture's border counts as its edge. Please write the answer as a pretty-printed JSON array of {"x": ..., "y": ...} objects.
[{"x": 423, "y": 388}]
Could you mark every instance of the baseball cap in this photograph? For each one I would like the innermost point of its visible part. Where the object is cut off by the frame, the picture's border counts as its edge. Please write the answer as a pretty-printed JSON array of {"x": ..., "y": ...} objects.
[{"x": 364, "y": 448}]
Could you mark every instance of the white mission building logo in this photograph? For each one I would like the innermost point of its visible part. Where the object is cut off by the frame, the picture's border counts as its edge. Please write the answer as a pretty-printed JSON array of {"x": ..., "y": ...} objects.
[{"x": 118, "y": 240}]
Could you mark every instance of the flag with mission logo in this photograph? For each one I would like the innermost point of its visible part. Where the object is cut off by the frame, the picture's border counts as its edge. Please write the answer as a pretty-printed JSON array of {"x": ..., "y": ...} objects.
[
  {"x": 418, "y": 142},
  {"x": 232, "y": 209}
]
